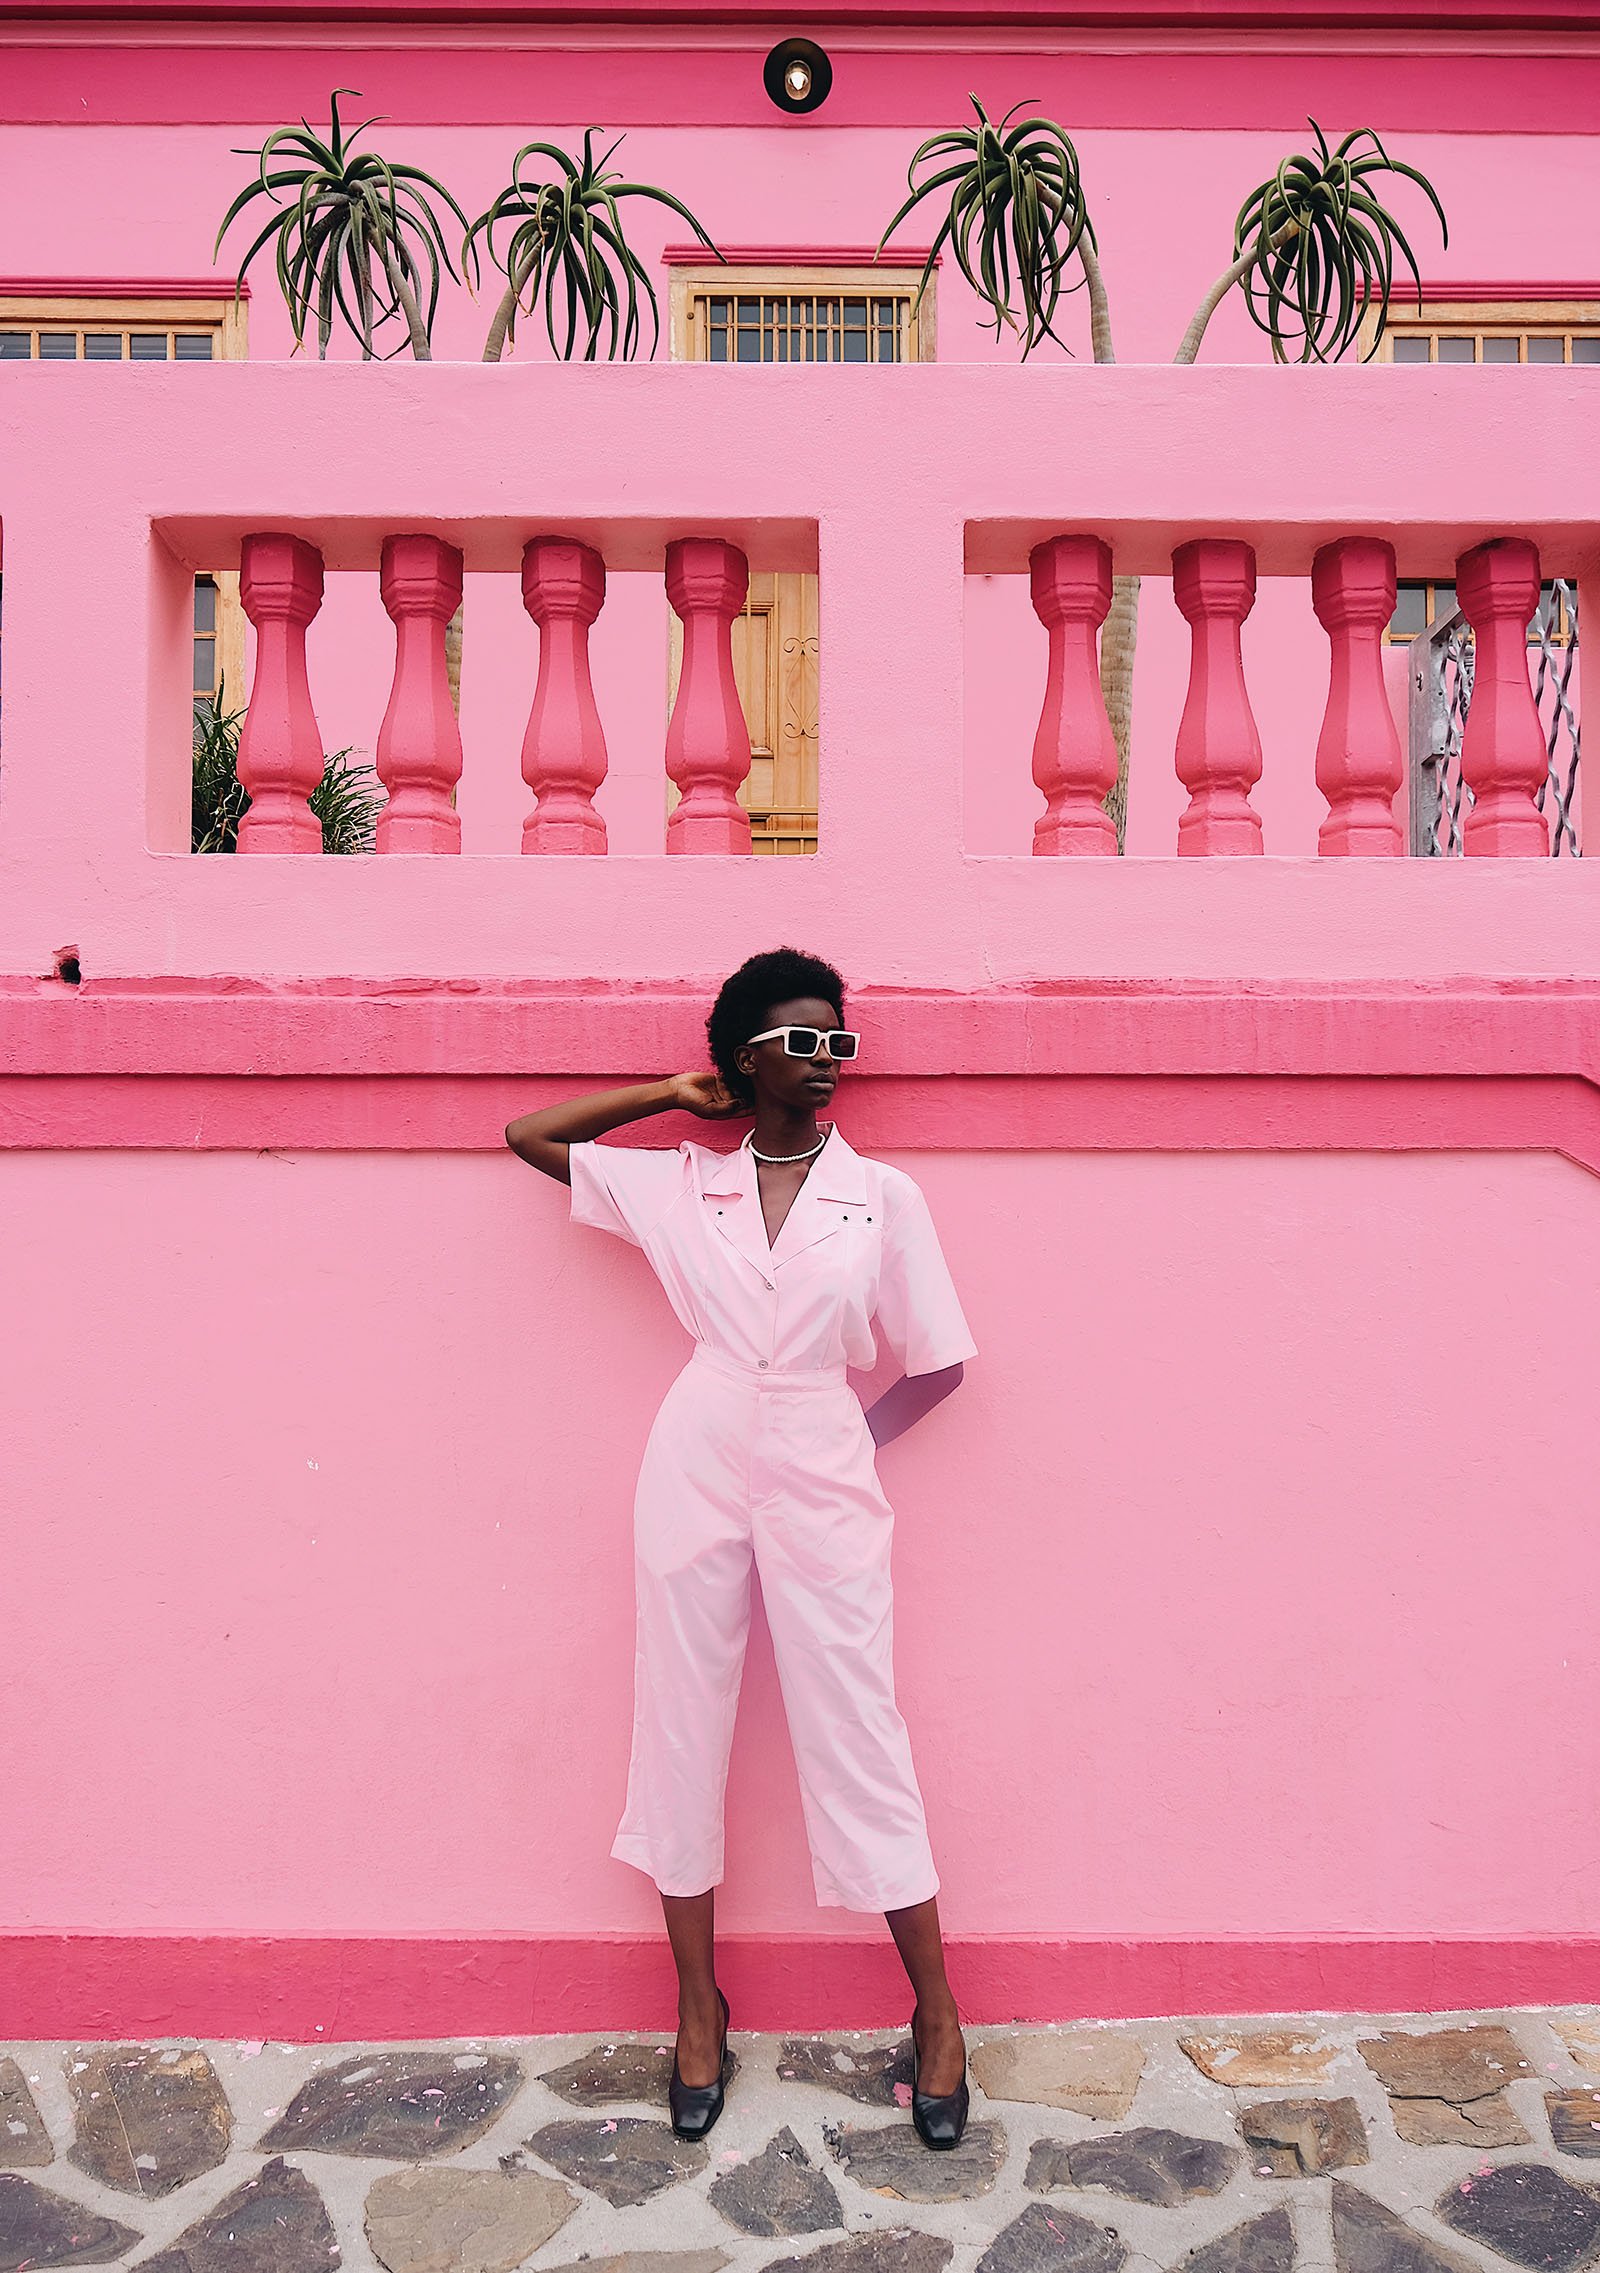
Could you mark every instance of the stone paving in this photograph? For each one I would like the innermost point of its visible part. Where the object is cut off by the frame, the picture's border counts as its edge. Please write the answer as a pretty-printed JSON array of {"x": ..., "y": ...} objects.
[{"x": 1465, "y": 2143}]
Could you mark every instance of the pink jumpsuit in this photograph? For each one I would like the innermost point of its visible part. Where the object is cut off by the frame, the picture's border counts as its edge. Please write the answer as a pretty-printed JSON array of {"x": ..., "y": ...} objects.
[{"x": 760, "y": 1451}]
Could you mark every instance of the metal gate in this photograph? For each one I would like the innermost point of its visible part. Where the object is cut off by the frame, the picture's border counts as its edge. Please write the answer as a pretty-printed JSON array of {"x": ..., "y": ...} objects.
[{"x": 1441, "y": 696}]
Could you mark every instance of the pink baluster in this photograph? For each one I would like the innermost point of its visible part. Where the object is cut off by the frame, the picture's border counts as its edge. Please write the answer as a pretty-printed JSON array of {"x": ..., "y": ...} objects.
[
  {"x": 708, "y": 742},
  {"x": 1503, "y": 757},
  {"x": 419, "y": 742},
  {"x": 1358, "y": 752},
  {"x": 1074, "y": 755},
  {"x": 564, "y": 749},
  {"x": 280, "y": 750},
  {"x": 1218, "y": 750}
]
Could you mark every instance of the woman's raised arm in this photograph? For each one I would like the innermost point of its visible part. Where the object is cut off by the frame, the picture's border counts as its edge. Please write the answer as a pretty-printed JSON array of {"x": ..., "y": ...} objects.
[{"x": 542, "y": 1138}]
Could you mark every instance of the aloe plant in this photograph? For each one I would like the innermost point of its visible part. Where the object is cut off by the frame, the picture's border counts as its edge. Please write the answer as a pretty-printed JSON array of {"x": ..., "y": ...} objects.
[
  {"x": 347, "y": 800},
  {"x": 1314, "y": 251},
  {"x": 357, "y": 235},
  {"x": 1021, "y": 192},
  {"x": 566, "y": 233}
]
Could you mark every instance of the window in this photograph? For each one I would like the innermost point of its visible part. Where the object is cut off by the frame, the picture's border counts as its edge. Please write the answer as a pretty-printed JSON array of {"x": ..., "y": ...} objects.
[
  {"x": 1488, "y": 331},
  {"x": 79, "y": 324},
  {"x": 1419, "y": 606},
  {"x": 1494, "y": 333},
  {"x": 761, "y": 313}
]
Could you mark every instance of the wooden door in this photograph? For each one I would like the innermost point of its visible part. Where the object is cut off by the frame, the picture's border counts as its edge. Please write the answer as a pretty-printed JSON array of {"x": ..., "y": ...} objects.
[{"x": 775, "y": 668}]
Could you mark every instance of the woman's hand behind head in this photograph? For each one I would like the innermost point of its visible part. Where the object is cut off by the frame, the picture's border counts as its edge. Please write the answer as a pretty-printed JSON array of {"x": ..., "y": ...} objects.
[{"x": 704, "y": 1094}]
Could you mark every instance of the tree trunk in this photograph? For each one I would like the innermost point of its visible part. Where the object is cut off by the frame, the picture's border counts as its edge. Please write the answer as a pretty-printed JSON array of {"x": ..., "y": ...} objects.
[
  {"x": 421, "y": 347},
  {"x": 516, "y": 285},
  {"x": 452, "y": 656},
  {"x": 1189, "y": 346}
]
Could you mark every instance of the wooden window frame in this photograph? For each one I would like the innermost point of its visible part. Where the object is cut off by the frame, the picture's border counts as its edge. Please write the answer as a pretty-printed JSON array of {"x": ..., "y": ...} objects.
[
  {"x": 1515, "y": 312},
  {"x": 130, "y": 310},
  {"x": 689, "y": 280},
  {"x": 160, "y": 306}
]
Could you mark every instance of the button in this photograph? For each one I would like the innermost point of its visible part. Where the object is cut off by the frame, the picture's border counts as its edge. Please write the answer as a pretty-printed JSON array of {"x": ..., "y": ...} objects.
[
  {"x": 762, "y": 1363},
  {"x": 767, "y": 1283}
]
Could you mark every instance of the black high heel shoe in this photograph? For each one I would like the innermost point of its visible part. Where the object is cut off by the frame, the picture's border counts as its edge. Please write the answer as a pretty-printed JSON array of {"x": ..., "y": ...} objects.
[
  {"x": 695, "y": 2107},
  {"x": 940, "y": 2120}
]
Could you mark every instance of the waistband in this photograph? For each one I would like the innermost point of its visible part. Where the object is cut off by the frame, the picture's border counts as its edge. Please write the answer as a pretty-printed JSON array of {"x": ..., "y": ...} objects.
[{"x": 768, "y": 1376}]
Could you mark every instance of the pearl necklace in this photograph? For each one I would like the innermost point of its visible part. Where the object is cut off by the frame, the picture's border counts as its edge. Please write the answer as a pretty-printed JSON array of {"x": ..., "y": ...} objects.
[{"x": 785, "y": 1158}]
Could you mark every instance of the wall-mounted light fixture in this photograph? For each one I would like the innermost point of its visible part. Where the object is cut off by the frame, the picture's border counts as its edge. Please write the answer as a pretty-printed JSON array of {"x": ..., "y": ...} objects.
[{"x": 797, "y": 75}]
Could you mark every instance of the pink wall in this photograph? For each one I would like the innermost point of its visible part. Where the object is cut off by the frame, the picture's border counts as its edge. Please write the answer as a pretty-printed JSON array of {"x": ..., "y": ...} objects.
[{"x": 1243, "y": 1590}]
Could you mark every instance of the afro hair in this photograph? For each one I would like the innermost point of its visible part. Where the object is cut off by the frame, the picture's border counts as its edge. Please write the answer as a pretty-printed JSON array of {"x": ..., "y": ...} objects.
[{"x": 745, "y": 1003}]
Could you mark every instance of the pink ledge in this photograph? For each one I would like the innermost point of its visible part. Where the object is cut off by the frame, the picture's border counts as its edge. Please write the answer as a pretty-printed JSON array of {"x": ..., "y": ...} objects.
[
  {"x": 330, "y": 1988},
  {"x": 1082, "y": 1113}
]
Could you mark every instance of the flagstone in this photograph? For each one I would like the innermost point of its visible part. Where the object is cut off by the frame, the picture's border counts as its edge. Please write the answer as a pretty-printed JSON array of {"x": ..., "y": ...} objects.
[
  {"x": 1368, "y": 2238},
  {"x": 901, "y": 2251},
  {"x": 891, "y": 2159},
  {"x": 626, "y": 2159},
  {"x": 1084, "y": 2070},
  {"x": 869, "y": 2076},
  {"x": 1529, "y": 2213},
  {"x": 1575, "y": 2121},
  {"x": 612, "y": 2072},
  {"x": 1582, "y": 2039},
  {"x": 463, "y": 2221},
  {"x": 147, "y": 2118},
  {"x": 39, "y": 2228},
  {"x": 1260, "y": 2245},
  {"x": 1488, "y": 2122},
  {"x": 1148, "y": 2164},
  {"x": 276, "y": 2222},
  {"x": 399, "y": 2105},
  {"x": 1303, "y": 2138},
  {"x": 1259, "y": 2059},
  {"x": 648, "y": 2261},
  {"x": 779, "y": 2191},
  {"x": 1457, "y": 2064},
  {"x": 1048, "y": 2239},
  {"x": 25, "y": 2144}
]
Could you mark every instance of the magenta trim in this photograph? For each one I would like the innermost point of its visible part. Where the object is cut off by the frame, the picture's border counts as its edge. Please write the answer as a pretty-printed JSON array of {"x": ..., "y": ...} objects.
[
  {"x": 1459, "y": 289},
  {"x": 338, "y": 1989},
  {"x": 1297, "y": 16},
  {"x": 809, "y": 256},
  {"x": 119, "y": 288},
  {"x": 173, "y": 76}
]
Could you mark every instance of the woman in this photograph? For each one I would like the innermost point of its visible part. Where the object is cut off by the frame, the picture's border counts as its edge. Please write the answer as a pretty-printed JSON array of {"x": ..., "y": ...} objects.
[{"x": 777, "y": 1256}]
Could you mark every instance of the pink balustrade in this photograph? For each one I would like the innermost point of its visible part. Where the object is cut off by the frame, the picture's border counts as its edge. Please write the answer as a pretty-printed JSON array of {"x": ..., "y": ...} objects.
[
  {"x": 1074, "y": 755},
  {"x": 1359, "y": 767},
  {"x": 564, "y": 749},
  {"x": 280, "y": 751},
  {"x": 1218, "y": 752},
  {"x": 419, "y": 742},
  {"x": 1503, "y": 758},
  {"x": 708, "y": 742}
]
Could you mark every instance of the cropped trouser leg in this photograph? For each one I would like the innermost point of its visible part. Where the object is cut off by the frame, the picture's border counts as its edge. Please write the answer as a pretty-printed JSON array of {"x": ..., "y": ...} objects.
[{"x": 780, "y": 1472}]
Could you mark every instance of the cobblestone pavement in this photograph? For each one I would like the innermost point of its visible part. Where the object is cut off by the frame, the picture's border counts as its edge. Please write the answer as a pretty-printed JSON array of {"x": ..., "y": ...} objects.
[{"x": 1464, "y": 2143}]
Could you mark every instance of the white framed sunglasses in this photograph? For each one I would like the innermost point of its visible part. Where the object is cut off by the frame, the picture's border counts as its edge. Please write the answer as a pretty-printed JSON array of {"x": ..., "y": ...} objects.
[{"x": 806, "y": 1041}]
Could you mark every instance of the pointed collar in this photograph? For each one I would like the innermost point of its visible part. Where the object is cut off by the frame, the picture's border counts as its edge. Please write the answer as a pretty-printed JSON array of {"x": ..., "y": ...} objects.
[{"x": 837, "y": 1173}]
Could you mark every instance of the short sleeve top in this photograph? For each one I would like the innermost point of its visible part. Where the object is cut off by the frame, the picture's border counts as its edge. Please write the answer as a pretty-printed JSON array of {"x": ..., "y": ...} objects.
[{"x": 857, "y": 1251}]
